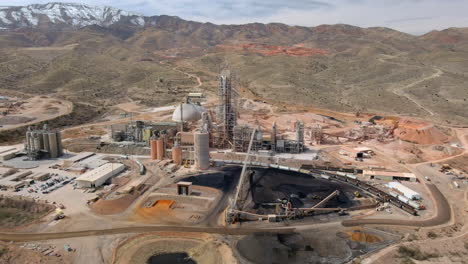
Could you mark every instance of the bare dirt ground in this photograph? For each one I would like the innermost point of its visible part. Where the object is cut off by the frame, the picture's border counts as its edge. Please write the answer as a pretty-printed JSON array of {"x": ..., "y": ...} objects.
[
  {"x": 202, "y": 248},
  {"x": 36, "y": 109},
  {"x": 12, "y": 253}
]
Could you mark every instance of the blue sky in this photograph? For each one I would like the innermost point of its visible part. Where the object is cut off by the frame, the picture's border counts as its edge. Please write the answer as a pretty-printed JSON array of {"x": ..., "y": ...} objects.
[{"x": 411, "y": 16}]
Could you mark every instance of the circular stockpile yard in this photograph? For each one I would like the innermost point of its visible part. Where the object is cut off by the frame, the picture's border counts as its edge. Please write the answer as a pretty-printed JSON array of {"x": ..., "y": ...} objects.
[
  {"x": 419, "y": 132},
  {"x": 268, "y": 186},
  {"x": 166, "y": 247}
]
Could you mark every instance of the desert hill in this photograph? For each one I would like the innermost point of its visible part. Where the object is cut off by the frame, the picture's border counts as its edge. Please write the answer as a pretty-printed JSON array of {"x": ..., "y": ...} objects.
[{"x": 115, "y": 56}]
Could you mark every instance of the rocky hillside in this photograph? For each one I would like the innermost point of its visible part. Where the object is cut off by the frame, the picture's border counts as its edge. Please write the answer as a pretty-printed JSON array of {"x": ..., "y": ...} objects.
[
  {"x": 102, "y": 56},
  {"x": 65, "y": 14}
]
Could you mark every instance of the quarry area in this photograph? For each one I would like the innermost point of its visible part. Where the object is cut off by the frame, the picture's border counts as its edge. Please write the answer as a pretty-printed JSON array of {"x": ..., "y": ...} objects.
[{"x": 226, "y": 177}]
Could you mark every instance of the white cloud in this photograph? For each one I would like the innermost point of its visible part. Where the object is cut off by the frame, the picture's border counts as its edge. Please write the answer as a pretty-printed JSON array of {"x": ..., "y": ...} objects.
[{"x": 412, "y": 16}]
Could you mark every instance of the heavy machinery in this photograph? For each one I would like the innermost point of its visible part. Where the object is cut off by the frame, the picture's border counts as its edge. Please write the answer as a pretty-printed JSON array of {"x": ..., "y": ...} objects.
[
  {"x": 357, "y": 194},
  {"x": 233, "y": 212}
]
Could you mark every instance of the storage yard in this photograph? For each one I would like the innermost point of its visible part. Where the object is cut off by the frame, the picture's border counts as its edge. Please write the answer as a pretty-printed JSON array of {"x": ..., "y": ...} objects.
[{"x": 233, "y": 166}]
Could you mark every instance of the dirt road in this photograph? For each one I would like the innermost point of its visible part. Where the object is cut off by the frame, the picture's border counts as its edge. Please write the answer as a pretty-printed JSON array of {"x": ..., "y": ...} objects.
[
  {"x": 400, "y": 91},
  {"x": 443, "y": 214},
  {"x": 22, "y": 237}
]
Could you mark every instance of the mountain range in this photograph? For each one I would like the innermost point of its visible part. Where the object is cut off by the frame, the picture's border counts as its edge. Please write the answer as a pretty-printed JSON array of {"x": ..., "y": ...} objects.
[{"x": 103, "y": 55}]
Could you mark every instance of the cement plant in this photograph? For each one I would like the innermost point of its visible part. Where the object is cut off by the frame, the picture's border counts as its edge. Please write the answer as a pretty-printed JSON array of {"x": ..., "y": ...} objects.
[{"x": 221, "y": 174}]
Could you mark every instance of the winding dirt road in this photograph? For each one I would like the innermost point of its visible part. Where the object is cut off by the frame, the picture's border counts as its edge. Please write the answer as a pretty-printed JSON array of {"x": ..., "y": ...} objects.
[
  {"x": 23, "y": 237},
  {"x": 400, "y": 91}
]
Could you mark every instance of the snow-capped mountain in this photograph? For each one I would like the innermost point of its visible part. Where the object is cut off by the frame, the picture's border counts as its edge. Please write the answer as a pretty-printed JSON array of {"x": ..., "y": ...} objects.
[{"x": 66, "y": 14}]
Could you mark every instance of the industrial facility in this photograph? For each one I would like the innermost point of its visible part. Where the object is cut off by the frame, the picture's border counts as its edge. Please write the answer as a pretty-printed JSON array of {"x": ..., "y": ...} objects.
[
  {"x": 97, "y": 177},
  {"x": 43, "y": 143}
]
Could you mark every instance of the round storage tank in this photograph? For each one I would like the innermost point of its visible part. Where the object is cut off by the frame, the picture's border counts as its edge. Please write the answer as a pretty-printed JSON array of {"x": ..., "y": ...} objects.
[
  {"x": 202, "y": 150},
  {"x": 28, "y": 140},
  {"x": 160, "y": 149},
  {"x": 59, "y": 143},
  {"x": 38, "y": 144},
  {"x": 45, "y": 138},
  {"x": 154, "y": 149},
  {"x": 53, "y": 152},
  {"x": 190, "y": 113},
  {"x": 177, "y": 155}
]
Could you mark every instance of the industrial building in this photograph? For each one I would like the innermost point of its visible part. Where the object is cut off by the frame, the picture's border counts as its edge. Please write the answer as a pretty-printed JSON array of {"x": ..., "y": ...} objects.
[
  {"x": 401, "y": 189},
  {"x": 43, "y": 143},
  {"x": 212, "y": 129},
  {"x": 97, "y": 177},
  {"x": 357, "y": 153},
  {"x": 7, "y": 153},
  {"x": 14, "y": 181},
  {"x": 141, "y": 131},
  {"x": 389, "y": 175}
]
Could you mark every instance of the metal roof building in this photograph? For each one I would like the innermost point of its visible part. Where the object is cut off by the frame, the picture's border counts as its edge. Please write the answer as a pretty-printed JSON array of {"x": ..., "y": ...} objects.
[
  {"x": 389, "y": 175},
  {"x": 97, "y": 177}
]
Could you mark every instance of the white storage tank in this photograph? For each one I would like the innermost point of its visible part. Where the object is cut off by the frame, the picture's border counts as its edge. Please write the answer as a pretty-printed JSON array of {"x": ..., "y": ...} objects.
[
  {"x": 202, "y": 150},
  {"x": 188, "y": 113}
]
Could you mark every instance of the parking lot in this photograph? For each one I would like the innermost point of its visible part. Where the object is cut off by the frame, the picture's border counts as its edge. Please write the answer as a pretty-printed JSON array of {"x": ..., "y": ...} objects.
[{"x": 58, "y": 189}]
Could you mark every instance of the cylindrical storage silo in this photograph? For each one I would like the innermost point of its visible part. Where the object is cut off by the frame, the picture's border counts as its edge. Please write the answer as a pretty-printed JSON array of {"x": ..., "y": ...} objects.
[
  {"x": 202, "y": 150},
  {"x": 37, "y": 141},
  {"x": 59, "y": 144},
  {"x": 160, "y": 149},
  {"x": 53, "y": 145},
  {"x": 31, "y": 141},
  {"x": 45, "y": 138},
  {"x": 154, "y": 149},
  {"x": 41, "y": 140},
  {"x": 177, "y": 155},
  {"x": 28, "y": 140}
]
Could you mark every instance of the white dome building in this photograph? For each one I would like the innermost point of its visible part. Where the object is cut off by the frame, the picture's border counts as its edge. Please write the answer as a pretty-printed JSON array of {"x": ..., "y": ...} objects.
[{"x": 190, "y": 113}]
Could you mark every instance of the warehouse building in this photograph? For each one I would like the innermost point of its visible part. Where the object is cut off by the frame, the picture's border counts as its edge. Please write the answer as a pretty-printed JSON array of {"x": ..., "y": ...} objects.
[
  {"x": 389, "y": 175},
  {"x": 403, "y": 190},
  {"x": 7, "y": 153},
  {"x": 14, "y": 181},
  {"x": 97, "y": 177}
]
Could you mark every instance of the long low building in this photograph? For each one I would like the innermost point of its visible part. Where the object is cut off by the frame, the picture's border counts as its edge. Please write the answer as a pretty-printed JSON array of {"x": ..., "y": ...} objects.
[
  {"x": 389, "y": 175},
  {"x": 98, "y": 176},
  {"x": 7, "y": 153},
  {"x": 14, "y": 181},
  {"x": 407, "y": 192}
]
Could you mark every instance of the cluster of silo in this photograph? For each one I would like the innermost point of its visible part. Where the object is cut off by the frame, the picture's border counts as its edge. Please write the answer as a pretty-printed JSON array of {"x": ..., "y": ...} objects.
[
  {"x": 157, "y": 149},
  {"x": 43, "y": 143}
]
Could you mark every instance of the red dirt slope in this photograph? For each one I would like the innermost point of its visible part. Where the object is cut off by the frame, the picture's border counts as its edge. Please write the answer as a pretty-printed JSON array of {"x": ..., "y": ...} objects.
[{"x": 419, "y": 132}]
